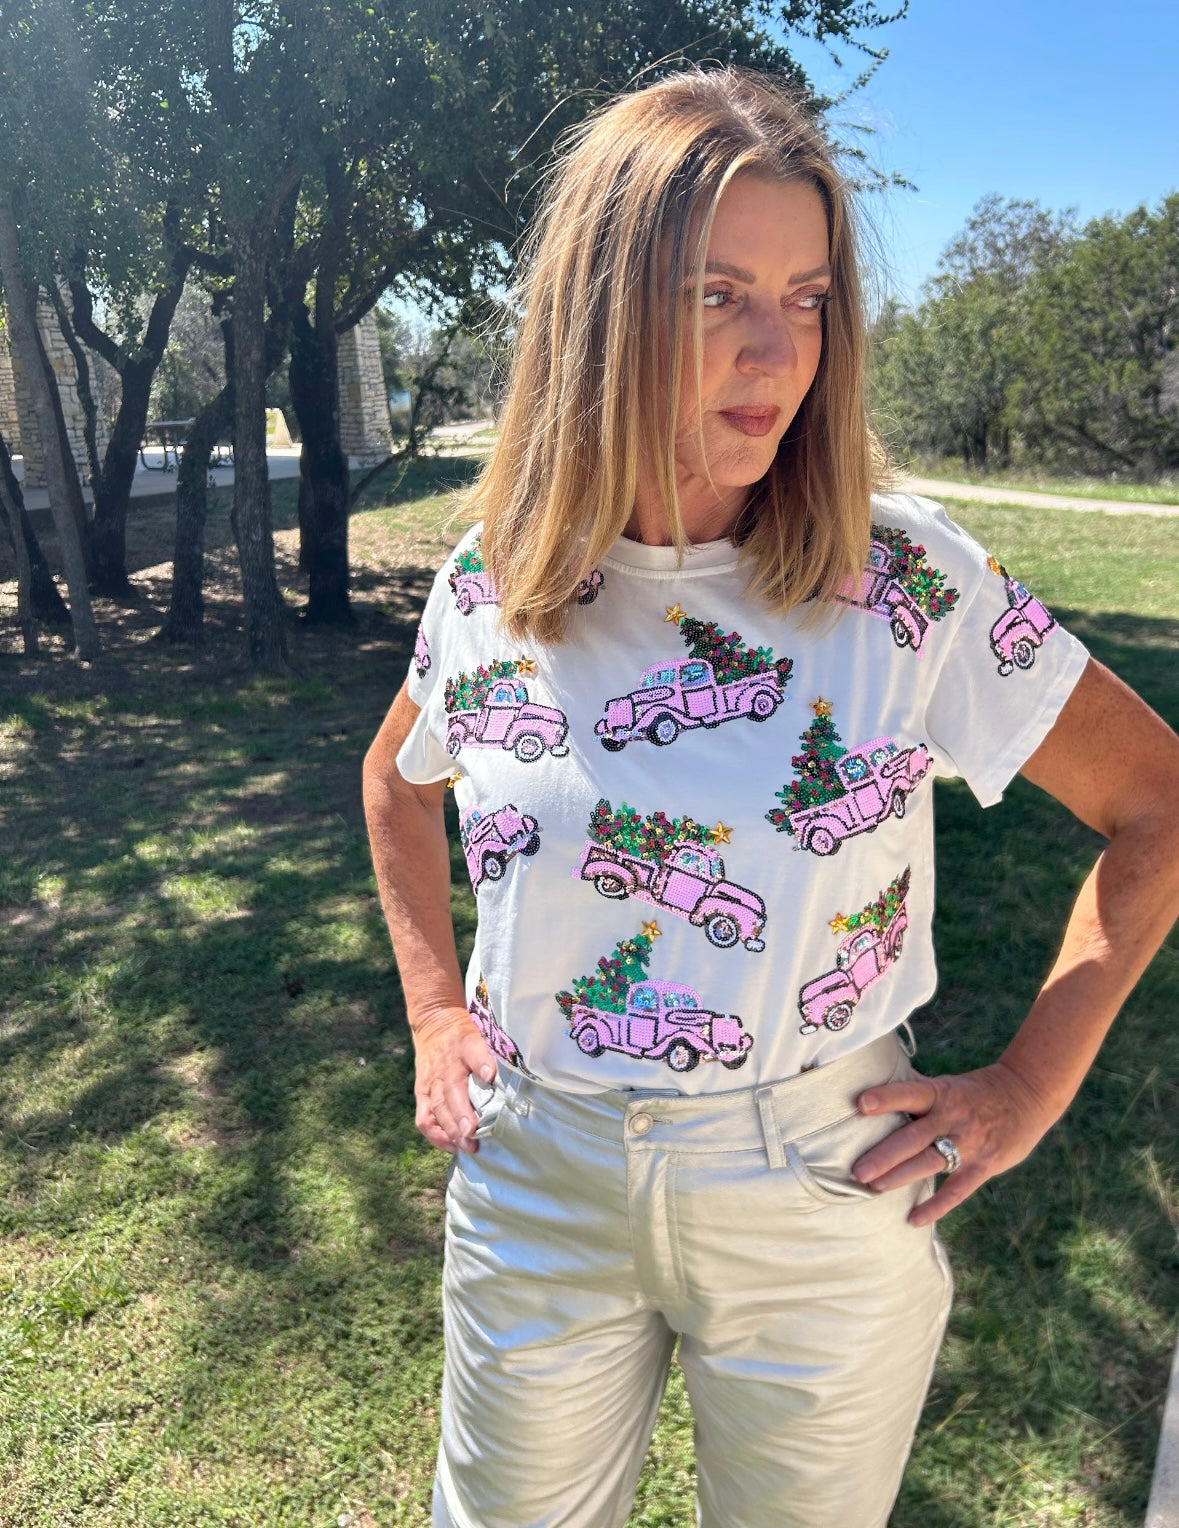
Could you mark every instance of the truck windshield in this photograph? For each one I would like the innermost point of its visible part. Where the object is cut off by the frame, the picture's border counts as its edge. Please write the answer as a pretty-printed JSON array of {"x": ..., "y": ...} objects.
[
  {"x": 694, "y": 673},
  {"x": 691, "y": 859},
  {"x": 681, "y": 1000},
  {"x": 854, "y": 769},
  {"x": 882, "y": 754},
  {"x": 645, "y": 998},
  {"x": 658, "y": 676}
]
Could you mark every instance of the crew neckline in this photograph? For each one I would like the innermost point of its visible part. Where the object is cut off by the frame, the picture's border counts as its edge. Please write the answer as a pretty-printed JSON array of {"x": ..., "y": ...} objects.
[{"x": 702, "y": 557}]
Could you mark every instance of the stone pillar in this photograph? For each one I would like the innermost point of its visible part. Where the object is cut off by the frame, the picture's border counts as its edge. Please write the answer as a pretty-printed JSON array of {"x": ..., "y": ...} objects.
[
  {"x": 9, "y": 419},
  {"x": 364, "y": 409},
  {"x": 26, "y": 437}
]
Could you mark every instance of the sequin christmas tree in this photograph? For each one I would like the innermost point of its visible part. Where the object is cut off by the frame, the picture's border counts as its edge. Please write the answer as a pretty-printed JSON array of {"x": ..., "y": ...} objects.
[
  {"x": 728, "y": 654},
  {"x": 924, "y": 584},
  {"x": 467, "y": 692},
  {"x": 608, "y": 986},
  {"x": 649, "y": 838},
  {"x": 470, "y": 560},
  {"x": 878, "y": 914},
  {"x": 815, "y": 780}
]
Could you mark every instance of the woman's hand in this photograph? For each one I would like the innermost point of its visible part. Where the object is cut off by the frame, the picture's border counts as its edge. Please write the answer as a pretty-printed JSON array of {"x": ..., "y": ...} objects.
[
  {"x": 447, "y": 1049},
  {"x": 992, "y": 1116}
]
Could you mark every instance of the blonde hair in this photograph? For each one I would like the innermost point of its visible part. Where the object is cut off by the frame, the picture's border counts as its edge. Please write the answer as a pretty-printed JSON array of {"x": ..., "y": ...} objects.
[{"x": 594, "y": 386}]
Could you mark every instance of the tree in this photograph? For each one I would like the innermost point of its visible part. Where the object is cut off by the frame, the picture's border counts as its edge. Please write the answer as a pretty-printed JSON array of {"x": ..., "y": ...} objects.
[
  {"x": 1097, "y": 386},
  {"x": 815, "y": 781},
  {"x": 608, "y": 986},
  {"x": 647, "y": 837},
  {"x": 728, "y": 654}
]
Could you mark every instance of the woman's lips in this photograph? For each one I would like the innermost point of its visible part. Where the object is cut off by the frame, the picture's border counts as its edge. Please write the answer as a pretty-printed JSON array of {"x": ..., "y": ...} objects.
[{"x": 752, "y": 421}]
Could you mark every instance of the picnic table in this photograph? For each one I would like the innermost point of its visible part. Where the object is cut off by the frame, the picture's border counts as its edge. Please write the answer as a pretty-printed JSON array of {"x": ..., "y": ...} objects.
[{"x": 171, "y": 434}]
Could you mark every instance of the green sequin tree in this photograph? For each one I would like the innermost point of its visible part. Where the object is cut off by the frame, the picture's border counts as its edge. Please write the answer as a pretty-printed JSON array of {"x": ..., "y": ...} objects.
[
  {"x": 879, "y": 914},
  {"x": 469, "y": 561},
  {"x": 467, "y": 692},
  {"x": 926, "y": 585},
  {"x": 608, "y": 986},
  {"x": 728, "y": 654},
  {"x": 815, "y": 780},
  {"x": 649, "y": 838}
]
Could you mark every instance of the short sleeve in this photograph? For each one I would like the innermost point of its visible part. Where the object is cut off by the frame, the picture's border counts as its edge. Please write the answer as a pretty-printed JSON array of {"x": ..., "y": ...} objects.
[
  {"x": 1008, "y": 668},
  {"x": 423, "y": 758}
]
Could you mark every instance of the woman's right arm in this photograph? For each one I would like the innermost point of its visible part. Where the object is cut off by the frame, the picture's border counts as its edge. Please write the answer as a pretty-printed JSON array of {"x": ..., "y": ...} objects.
[{"x": 412, "y": 863}]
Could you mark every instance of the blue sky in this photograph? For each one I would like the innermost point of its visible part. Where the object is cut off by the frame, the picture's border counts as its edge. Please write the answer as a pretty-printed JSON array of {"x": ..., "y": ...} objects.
[{"x": 1069, "y": 103}]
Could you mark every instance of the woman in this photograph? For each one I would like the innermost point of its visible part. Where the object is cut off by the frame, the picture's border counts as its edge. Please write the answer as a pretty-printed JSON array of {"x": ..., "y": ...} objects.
[{"x": 689, "y": 683}]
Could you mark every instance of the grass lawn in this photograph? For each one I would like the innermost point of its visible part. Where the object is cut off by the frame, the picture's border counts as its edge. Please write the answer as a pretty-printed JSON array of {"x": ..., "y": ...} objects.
[{"x": 220, "y": 1236}]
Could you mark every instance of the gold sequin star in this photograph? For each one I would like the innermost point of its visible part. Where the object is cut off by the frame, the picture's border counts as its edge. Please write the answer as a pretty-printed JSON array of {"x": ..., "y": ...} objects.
[
  {"x": 839, "y": 924},
  {"x": 822, "y": 707},
  {"x": 454, "y": 779},
  {"x": 652, "y": 930},
  {"x": 720, "y": 834},
  {"x": 674, "y": 614},
  {"x": 526, "y": 665},
  {"x": 995, "y": 567}
]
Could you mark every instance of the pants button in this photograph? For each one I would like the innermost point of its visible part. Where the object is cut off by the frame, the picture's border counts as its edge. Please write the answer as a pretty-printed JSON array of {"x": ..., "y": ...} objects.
[{"x": 640, "y": 1124}]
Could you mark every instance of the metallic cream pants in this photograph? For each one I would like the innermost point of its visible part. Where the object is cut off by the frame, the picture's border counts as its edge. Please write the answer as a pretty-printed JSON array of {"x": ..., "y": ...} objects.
[{"x": 589, "y": 1232}]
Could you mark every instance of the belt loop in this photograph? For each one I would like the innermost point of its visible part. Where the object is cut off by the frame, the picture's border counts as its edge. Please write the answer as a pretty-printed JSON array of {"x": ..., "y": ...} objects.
[
  {"x": 906, "y": 1039},
  {"x": 769, "y": 1127}
]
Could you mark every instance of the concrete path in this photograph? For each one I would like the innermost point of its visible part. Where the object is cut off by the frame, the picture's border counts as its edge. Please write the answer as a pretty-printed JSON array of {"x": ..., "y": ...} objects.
[
  {"x": 1163, "y": 1508},
  {"x": 153, "y": 481},
  {"x": 981, "y": 493}
]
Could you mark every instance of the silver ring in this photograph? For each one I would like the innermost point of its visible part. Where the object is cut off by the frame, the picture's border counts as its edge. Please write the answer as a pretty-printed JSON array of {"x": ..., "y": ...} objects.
[{"x": 948, "y": 1150}]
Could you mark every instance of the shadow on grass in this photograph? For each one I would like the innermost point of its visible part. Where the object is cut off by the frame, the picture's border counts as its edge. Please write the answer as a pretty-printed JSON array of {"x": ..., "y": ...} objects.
[{"x": 194, "y": 962}]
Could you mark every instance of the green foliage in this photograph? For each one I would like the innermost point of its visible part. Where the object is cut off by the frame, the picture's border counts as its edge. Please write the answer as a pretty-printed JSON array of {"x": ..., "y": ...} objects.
[
  {"x": 1042, "y": 341},
  {"x": 728, "y": 654},
  {"x": 470, "y": 560},
  {"x": 608, "y": 986},
  {"x": 467, "y": 692},
  {"x": 649, "y": 838}
]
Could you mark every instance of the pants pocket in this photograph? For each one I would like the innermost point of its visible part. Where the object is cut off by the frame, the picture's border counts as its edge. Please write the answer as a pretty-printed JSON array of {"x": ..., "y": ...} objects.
[
  {"x": 487, "y": 1100},
  {"x": 822, "y": 1160}
]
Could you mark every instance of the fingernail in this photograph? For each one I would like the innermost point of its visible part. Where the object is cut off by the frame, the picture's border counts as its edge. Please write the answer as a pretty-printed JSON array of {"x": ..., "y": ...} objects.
[
  {"x": 487, "y": 1073},
  {"x": 466, "y": 1126},
  {"x": 868, "y": 1100}
]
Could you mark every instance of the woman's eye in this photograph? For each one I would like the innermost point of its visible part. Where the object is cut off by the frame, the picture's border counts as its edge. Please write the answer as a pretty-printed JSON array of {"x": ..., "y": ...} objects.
[
  {"x": 814, "y": 302},
  {"x": 715, "y": 299}
]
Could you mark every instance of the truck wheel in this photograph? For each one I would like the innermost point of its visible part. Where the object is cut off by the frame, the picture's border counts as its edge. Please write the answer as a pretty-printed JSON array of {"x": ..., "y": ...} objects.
[
  {"x": 663, "y": 730},
  {"x": 735, "y": 1061},
  {"x": 589, "y": 596},
  {"x": 589, "y": 1042},
  {"x": 463, "y": 602},
  {"x": 837, "y": 1017},
  {"x": 493, "y": 867},
  {"x": 681, "y": 1056},
  {"x": 823, "y": 841},
  {"x": 900, "y": 633},
  {"x": 531, "y": 846},
  {"x": 898, "y": 803},
  {"x": 454, "y": 741},
  {"x": 898, "y": 943},
  {"x": 1023, "y": 653},
  {"x": 612, "y": 886},
  {"x": 613, "y": 744},
  {"x": 528, "y": 747},
  {"x": 722, "y": 930},
  {"x": 762, "y": 706}
]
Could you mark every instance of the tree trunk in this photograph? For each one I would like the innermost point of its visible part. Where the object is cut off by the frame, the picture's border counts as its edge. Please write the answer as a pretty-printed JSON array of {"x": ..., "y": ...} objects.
[
  {"x": 22, "y": 315},
  {"x": 323, "y": 471},
  {"x": 186, "y": 608},
  {"x": 48, "y": 605},
  {"x": 10, "y": 512},
  {"x": 69, "y": 467},
  {"x": 265, "y": 638},
  {"x": 112, "y": 491}
]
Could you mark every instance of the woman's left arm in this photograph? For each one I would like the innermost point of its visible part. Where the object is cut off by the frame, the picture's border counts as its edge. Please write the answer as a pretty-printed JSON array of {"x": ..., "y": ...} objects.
[{"x": 1115, "y": 764}]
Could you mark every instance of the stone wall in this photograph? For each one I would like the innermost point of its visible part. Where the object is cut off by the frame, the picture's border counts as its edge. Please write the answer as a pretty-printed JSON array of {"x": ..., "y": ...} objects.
[
  {"x": 364, "y": 409},
  {"x": 25, "y": 438}
]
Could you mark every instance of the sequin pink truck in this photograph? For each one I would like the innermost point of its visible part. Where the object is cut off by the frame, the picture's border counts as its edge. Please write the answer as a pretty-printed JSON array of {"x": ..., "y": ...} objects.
[
  {"x": 676, "y": 697},
  {"x": 689, "y": 881},
  {"x": 862, "y": 958},
  {"x": 1020, "y": 630},
  {"x": 878, "y": 778},
  {"x": 490, "y": 841},
  {"x": 498, "y": 1041},
  {"x": 883, "y": 595},
  {"x": 663, "y": 1022},
  {"x": 508, "y": 719},
  {"x": 471, "y": 589}
]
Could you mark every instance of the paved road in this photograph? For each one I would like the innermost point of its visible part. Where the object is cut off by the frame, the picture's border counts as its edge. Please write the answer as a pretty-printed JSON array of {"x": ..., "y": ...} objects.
[{"x": 979, "y": 493}]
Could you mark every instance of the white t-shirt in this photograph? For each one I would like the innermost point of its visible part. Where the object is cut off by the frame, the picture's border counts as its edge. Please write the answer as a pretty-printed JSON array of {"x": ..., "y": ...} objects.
[{"x": 701, "y": 832}]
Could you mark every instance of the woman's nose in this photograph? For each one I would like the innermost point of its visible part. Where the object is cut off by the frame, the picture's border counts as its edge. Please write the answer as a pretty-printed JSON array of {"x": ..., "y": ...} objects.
[{"x": 770, "y": 347}]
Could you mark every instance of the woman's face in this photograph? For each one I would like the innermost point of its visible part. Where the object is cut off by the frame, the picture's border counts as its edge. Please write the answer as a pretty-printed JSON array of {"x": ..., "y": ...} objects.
[{"x": 765, "y": 280}]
